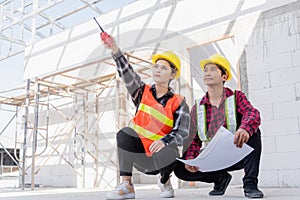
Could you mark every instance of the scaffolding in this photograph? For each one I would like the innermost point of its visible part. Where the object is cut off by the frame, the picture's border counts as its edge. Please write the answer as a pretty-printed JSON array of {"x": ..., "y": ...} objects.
[
  {"x": 24, "y": 22},
  {"x": 79, "y": 103}
]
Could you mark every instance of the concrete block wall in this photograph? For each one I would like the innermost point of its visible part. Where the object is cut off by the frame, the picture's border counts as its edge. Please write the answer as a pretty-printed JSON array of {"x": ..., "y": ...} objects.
[{"x": 273, "y": 67}]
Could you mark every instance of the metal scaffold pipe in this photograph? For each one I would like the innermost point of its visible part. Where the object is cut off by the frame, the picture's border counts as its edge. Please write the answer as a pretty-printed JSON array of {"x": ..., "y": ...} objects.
[{"x": 27, "y": 102}]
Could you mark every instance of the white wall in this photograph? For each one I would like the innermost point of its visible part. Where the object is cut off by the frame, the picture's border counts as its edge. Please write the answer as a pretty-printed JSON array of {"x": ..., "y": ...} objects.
[
  {"x": 266, "y": 35},
  {"x": 273, "y": 71}
]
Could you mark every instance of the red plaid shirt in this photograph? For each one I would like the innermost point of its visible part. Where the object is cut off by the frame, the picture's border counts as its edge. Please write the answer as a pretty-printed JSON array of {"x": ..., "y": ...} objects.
[{"x": 250, "y": 119}]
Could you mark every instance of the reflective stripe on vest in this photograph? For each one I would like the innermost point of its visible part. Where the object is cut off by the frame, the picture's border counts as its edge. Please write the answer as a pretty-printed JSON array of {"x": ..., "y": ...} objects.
[
  {"x": 145, "y": 133},
  {"x": 230, "y": 110},
  {"x": 153, "y": 120},
  {"x": 156, "y": 114},
  {"x": 201, "y": 121},
  {"x": 230, "y": 115}
]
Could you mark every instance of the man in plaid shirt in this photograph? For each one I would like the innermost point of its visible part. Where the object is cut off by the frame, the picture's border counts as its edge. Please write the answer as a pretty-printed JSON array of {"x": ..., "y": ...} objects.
[{"x": 215, "y": 106}]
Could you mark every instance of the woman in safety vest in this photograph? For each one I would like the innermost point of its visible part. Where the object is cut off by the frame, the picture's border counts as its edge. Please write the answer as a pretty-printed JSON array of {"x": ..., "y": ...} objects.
[
  {"x": 150, "y": 143},
  {"x": 221, "y": 106}
]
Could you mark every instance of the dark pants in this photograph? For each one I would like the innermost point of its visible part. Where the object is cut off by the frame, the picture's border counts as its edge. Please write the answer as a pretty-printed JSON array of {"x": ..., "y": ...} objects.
[
  {"x": 250, "y": 164},
  {"x": 131, "y": 153}
]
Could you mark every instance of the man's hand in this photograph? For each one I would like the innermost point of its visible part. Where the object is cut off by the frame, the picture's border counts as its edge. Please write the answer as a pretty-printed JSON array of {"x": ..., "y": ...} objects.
[
  {"x": 156, "y": 146},
  {"x": 192, "y": 169},
  {"x": 241, "y": 136}
]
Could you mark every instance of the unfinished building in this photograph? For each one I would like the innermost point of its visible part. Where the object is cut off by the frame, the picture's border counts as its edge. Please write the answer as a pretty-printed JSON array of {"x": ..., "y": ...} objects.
[{"x": 73, "y": 102}]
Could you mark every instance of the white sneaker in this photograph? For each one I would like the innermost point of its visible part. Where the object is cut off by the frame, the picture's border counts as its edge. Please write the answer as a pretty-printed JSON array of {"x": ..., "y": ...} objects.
[
  {"x": 122, "y": 191},
  {"x": 166, "y": 189}
]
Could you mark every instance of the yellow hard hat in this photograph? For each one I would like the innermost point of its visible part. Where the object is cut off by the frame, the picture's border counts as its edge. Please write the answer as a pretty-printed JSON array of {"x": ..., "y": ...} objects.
[
  {"x": 171, "y": 57},
  {"x": 219, "y": 60}
]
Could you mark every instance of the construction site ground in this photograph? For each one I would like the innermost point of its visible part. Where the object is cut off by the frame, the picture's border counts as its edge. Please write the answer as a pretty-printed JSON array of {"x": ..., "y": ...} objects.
[{"x": 142, "y": 192}]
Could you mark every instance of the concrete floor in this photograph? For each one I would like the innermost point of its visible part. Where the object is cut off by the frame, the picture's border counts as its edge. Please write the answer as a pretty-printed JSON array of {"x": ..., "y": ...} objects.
[{"x": 143, "y": 192}]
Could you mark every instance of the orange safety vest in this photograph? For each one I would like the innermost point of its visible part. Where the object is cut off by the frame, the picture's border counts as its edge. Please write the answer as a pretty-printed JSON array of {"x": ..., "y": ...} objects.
[{"x": 153, "y": 121}]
